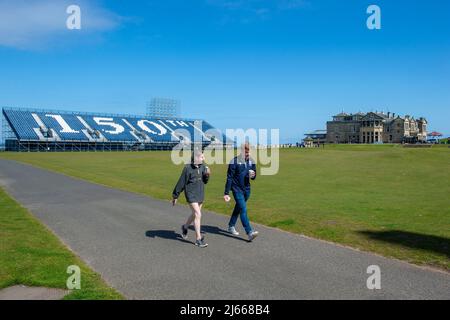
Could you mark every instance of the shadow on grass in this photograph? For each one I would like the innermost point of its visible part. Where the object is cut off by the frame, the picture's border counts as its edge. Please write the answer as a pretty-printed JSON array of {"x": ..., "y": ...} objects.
[{"x": 413, "y": 240}]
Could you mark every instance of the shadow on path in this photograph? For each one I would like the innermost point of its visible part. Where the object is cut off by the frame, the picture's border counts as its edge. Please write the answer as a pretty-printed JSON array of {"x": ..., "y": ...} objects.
[
  {"x": 173, "y": 235},
  {"x": 166, "y": 234},
  {"x": 218, "y": 231}
]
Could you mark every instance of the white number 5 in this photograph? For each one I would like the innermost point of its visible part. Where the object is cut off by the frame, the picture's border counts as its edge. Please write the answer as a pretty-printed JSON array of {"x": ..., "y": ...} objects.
[{"x": 109, "y": 122}]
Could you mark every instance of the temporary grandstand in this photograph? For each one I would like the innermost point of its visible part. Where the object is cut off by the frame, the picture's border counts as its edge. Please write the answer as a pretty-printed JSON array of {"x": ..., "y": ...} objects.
[{"x": 26, "y": 130}]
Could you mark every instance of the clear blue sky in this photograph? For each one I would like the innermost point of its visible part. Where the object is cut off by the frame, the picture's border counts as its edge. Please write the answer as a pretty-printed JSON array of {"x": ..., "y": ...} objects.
[{"x": 288, "y": 64}]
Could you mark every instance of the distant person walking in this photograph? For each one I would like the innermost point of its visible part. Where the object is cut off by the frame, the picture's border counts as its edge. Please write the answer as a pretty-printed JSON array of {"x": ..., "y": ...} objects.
[
  {"x": 192, "y": 181},
  {"x": 240, "y": 170}
]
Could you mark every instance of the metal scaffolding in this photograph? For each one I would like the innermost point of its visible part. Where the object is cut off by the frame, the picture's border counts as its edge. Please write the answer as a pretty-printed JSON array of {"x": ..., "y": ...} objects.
[
  {"x": 74, "y": 146},
  {"x": 7, "y": 133},
  {"x": 163, "y": 108}
]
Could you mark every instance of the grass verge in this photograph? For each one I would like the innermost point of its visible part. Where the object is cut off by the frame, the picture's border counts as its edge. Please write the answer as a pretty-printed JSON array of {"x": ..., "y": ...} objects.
[{"x": 32, "y": 255}]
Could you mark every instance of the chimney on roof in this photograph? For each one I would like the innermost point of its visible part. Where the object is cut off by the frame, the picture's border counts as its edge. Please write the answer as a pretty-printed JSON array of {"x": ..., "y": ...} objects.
[
  {"x": 393, "y": 114},
  {"x": 389, "y": 114}
]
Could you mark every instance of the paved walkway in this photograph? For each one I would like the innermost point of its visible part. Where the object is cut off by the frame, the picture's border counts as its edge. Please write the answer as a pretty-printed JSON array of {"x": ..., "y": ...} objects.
[{"x": 21, "y": 292}]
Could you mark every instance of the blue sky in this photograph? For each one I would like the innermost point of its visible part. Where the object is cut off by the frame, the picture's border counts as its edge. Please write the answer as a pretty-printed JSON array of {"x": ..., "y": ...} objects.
[{"x": 287, "y": 64}]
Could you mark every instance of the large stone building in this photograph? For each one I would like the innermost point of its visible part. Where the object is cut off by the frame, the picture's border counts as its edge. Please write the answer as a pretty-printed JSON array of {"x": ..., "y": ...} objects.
[{"x": 376, "y": 127}]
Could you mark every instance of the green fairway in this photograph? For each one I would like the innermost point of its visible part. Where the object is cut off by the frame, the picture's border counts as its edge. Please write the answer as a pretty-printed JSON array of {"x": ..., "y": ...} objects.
[
  {"x": 385, "y": 199},
  {"x": 31, "y": 255}
]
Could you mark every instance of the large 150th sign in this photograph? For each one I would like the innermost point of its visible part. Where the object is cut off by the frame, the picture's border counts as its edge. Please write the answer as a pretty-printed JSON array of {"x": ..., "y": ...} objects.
[{"x": 103, "y": 128}]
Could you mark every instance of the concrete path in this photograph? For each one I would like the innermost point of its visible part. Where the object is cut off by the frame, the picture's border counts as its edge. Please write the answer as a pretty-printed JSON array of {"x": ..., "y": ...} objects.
[
  {"x": 133, "y": 242},
  {"x": 21, "y": 292}
]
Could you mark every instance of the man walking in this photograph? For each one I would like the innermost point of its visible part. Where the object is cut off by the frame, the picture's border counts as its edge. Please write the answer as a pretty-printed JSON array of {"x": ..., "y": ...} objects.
[{"x": 240, "y": 170}]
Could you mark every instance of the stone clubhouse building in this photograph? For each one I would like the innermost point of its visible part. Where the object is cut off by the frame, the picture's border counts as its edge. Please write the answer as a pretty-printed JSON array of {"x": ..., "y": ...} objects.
[{"x": 376, "y": 127}]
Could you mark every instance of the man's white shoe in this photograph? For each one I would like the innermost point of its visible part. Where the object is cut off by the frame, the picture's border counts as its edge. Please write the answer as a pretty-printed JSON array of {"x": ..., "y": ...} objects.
[
  {"x": 252, "y": 235},
  {"x": 233, "y": 231}
]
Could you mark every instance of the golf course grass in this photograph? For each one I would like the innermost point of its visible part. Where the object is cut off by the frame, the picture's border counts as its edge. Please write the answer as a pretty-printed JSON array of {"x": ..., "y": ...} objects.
[
  {"x": 385, "y": 199},
  {"x": 31, "y": 255}
]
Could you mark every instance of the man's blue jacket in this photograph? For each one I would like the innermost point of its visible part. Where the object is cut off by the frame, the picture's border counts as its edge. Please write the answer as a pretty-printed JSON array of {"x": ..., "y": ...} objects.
[{"x": 238, "y": 177}]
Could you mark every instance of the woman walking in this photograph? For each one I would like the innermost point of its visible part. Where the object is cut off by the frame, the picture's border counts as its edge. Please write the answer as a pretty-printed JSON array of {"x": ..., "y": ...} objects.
[{"x": 192, "y": 181}]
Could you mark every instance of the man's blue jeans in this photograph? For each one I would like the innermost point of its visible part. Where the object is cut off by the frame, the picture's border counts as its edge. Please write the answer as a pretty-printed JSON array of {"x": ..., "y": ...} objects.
[{"x": 241, "y": 209}]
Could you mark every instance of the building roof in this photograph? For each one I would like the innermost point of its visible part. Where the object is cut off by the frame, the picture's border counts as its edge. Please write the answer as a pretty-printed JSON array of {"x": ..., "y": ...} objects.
[
  {"x": 386, "y": 117},
  {"x": 377, "y": 114},
  {"x": 382, "y": 114}
]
